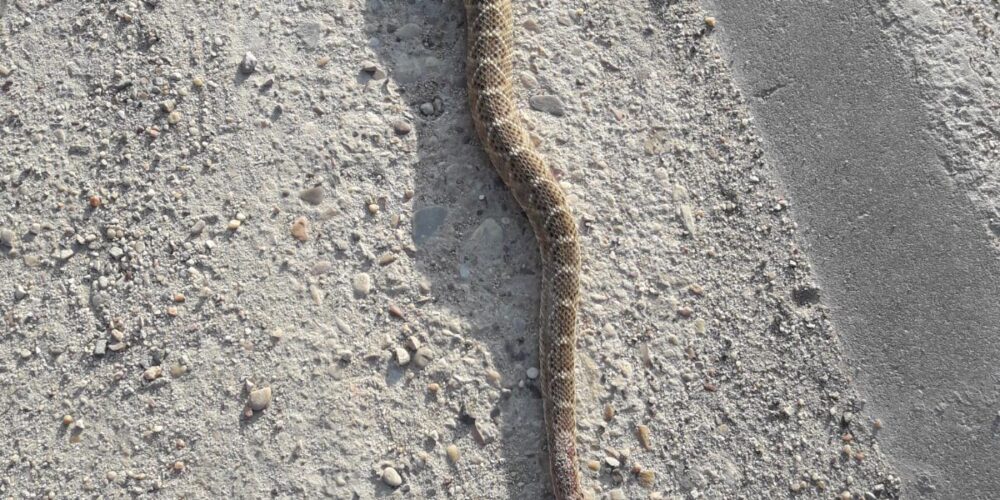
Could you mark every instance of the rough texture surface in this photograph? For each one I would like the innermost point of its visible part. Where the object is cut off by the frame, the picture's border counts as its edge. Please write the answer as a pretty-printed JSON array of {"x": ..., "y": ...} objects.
[
  {"x": 150, "y": 184},
  {"x": 953, "y": 50},
  {"x": 906, "y": 257},
  {"x": 489, "y": 66}
]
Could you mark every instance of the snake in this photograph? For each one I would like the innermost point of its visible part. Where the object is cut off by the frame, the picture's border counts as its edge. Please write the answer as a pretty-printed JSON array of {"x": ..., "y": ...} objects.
[{"x": 501, "y": 131}]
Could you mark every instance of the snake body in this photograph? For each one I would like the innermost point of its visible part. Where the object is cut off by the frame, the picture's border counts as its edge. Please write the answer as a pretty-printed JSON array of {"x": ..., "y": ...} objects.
[{"x": 498, "y": 123}]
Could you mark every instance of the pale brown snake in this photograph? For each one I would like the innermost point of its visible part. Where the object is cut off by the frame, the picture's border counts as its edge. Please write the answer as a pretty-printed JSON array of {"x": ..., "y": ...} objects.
[{"x": 489, "y": 67}]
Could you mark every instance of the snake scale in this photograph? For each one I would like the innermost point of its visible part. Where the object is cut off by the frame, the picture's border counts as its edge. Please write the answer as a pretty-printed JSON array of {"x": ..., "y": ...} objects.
[{"x": 489, "y": 67}]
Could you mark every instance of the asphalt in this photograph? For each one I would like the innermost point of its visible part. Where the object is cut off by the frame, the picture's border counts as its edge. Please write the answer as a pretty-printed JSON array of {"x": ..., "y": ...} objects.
[{"x": 902, "y": 259}]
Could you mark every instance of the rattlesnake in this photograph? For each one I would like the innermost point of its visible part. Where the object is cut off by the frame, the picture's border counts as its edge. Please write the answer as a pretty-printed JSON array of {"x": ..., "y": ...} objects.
[{"x": 491, "y": 96}]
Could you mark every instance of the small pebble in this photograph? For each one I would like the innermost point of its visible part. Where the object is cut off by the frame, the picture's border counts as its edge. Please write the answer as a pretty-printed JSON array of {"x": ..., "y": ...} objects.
[
  {"x": 372, "y": 69},
  {"x": 300, "y": 229},
  {"x": 687, "y": 218},
  {"x": 177, "y": 370},
  {"x": 402, "y": 356},
  {"x": 528, "y": 80},
  {"x": 609, "y": 412},
  {"x": 67, "y": 420},
  {"x": 7, "y": 238},
  {"x": 313, "y": 195},
  {"x": 174, "y": 117},
  {"x": 391, "y": 477},
  {"x": 260, "y": 398},
  {"x": 532, "y": 373},
  {"x": 700, "y": 327},
  {"x": 484, "y": 431},
  {"x": 643, "y": 432},
  {"x": 401, "y": 127},
  {"x": 647, "y": 478},
  {"x": 152, "y": 373},
  {"x": 710, "y": 22},
  {"x": 323, "y": 61},
  {"x": 452, "y": 452},
  {"x": 249, "y": 63},
  {"x": 233, "y": 224},
  {"x": 321, "y": 267},
  {"x": 178, "y": 466},
  {"x": 550, "y": 104},
  {"x": 423, "y": 356},
  {"x": 395, "y": 311},
  {"x": 94, "y": 201},
  {"x": 362, "y": 284}
]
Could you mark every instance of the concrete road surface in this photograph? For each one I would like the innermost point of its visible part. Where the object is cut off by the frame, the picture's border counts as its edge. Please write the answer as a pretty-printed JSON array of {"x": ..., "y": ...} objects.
[{"x": 904, "y": 264}]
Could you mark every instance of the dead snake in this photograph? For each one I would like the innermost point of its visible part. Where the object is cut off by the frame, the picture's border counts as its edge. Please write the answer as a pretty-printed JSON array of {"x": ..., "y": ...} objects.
[{"x": 489, "y": 68}]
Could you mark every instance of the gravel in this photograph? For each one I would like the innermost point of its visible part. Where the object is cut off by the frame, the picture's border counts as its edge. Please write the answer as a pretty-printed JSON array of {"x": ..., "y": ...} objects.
[
  {"x": 550, "y": 104},
  {"x": 391, "y": 477},
  {"x": 313, "y": 195},
  {"x": 259, "y": 399},
  {"x": 249, "y": 63}
]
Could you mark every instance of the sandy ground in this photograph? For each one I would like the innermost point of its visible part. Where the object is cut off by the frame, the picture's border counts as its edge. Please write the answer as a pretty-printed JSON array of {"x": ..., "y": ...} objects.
[{"x": 179, "y": 232}]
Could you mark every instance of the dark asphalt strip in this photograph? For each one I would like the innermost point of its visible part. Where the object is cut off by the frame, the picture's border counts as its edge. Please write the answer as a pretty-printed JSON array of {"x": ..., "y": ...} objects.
[{"x": 904, "y": 263}]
